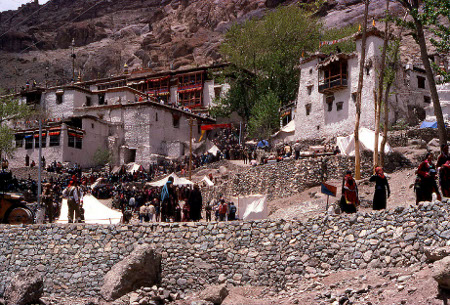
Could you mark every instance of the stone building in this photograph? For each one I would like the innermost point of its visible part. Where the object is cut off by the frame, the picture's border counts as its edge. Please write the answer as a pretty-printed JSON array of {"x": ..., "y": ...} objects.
[
  {"x": 137, "y": 117},
  {"x": 328, "y": 90}
]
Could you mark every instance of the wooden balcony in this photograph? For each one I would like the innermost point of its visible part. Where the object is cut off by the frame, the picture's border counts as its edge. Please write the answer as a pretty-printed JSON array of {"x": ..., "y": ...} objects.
[{"x": 333, "y": 83}]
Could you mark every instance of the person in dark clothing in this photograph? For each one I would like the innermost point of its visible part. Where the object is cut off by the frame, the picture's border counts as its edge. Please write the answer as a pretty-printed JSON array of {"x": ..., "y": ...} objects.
[
  {"x": 443, "y": 157},
  {"x": 444, "y": 179},
  {"x": 425, "y": 184},
  {"x": 195, "y": 202},
  {"x": 381, "y": 187},
  {"x": 349, "y": 199},
  {"x": 232, "y": 212},
  {"x": 167, "y": 200}
]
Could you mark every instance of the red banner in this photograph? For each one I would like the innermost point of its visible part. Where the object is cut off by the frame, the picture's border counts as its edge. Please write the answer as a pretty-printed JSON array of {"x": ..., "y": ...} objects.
[{"x": 215, "y": 126}]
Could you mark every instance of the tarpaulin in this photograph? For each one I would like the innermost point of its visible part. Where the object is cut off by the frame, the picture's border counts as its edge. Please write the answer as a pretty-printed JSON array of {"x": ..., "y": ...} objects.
[{"x": 426, "y": 124}]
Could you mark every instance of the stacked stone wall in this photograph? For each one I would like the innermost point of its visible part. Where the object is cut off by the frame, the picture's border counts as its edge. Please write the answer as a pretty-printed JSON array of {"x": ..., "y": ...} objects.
[
  {"x": 278, "y": 253},
  {"x": 286, "y": 178}
]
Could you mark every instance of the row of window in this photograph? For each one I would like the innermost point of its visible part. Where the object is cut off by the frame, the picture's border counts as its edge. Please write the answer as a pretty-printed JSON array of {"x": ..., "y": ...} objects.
[{"x": 54, "y": 140}]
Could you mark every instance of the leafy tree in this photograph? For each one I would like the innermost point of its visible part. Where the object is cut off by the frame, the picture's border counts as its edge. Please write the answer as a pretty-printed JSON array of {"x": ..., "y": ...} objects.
[
  {"x": 265, "y": 116},
  {"x": 419, "y": 20},
  {"x": 436, "y": 11},
  {"x": 101, "y": 156},
  {"x": 10, "y": 110}
]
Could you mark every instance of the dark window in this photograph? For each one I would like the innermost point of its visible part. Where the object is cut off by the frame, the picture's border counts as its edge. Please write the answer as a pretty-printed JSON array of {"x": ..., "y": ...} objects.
[
  {"x": 101, "y": 99},
  {"x": 217, "y": 91},
  {"x": 308, "y": 109},
  {"x": 329, "y": 100},
  {"x": 310, "y": 88},
  {"x": 44, "y": 141},
  {"x": 29, "y": 142},
  {"x": 176, "y": 121},
  {"x": 156, "y": 117},
  {"x": 427, "y": 99},
  {"x": 354, "y": 95},
  {"x": 421, "y": 82},
  {"x": 78, "y": 142},
  {"x": 54, "y": 140},
  {"x": 191, "y": 98},
  {"x": 59, "y": 98},
  {"x": 199, "y": 128},
  {"x": 71, "y": 140},
  {"x": 19, "y": 140},
  {"x": 92, "y": 125},
  {"x": 88, "y": 101},
  {"x": 339, "y": 106}
]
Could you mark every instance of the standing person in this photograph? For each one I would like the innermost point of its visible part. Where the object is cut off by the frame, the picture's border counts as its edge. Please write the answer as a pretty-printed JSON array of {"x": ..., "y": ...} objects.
[
  {"x": 349, "y": 199},
  {"x": 151, "y": 212},
  {"x": 443, "y": 157},
  {"x": 381, "y": 187},
  {"x": 167, "y": 194},
  {"x": 223, "y": 209},
  {"x": 208, "y": 210},
  {"x": 195, "y": 203},
  {"x": 47, "y": 199},
  {"x": 232, "y": 212},
  {"x": 143, "y": 212},
  {"x": 425, "y": 184},
  {"x": 444, "y": 179},
  {"x": 157, "y": 209},
  {"x": 74, "y": 200},
  {"x": 297, "y": 148},
  {"x": 27, "y": 160}
]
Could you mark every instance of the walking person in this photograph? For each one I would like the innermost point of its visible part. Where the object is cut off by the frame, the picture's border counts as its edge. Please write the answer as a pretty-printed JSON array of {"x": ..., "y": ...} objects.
[
  {"x": 381, "y": 189},
  {"x": 425, "y": 184},
  {"x": 349, "y": 200},
  {"x": 74, "y": 201},
  {"x": 47, "y": 199}
]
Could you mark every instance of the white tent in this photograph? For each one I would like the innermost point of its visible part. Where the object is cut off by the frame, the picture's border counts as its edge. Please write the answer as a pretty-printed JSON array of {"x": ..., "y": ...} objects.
[
  {"x": 133, "y": 167},
  {"x": 284, "y": 134},
  {"x": 176, "y": 181},
  {"x": 94, "y": 212},
  {"x": 252, "y": 207},
  {"x": 207, "y": 181},
  {"x": 214, "y": 150},
  {"x": 367, "y": 142}
]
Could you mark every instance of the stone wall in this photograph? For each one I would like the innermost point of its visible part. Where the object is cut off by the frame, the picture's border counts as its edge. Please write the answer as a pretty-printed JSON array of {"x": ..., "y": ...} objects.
[
  {"x": 277, "y": 253},
  {"x": 286, "y": 178}
]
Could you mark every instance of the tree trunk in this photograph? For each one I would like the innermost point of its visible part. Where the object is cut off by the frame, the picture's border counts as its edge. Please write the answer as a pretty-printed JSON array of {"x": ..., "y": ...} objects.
[
  {"x": 386, "y": 124},
  {"x": 359, "y": 93},
  {"x": 442, "y": 132},
  {"x": 378, "y": 100}
]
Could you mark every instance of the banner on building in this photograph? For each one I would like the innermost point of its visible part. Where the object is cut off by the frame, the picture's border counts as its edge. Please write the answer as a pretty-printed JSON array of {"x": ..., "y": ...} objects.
[{"x": 215, "y": 126}]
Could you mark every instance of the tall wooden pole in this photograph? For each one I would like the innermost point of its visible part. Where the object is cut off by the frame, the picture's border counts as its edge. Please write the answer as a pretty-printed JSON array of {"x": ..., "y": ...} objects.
[
  {"x": 191, "y": 122},
  {"x": 359, "y": 95}
]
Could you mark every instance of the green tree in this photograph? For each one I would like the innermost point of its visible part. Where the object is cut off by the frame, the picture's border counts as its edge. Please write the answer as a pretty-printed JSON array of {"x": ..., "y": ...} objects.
[
  {"x": 265, "y": 116},
  {"x": 101, "y": 156},
  {"x": 419, "y": 20},
  {"x": 10, "y": 110},
  {"x": 436, "y": 14}
]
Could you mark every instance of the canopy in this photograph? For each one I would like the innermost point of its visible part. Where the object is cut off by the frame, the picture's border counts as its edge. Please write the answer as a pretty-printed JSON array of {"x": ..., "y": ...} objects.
[
  {"x": 426, "y": 124},
  {"x": 99, "y": 183},
  {"x": 263, "y": 143},
  {"x": 252, "y": 207},
  {"x": 207, "y": 181},
  {"x": 95, "y": 212},
  {"x": 367, "y": 142},
  {"x": 214, "y": 150},
  {"x": 289, "y": 128},
  {"x": 134, "y": 167},
  {"x": 176, "y": 181}
]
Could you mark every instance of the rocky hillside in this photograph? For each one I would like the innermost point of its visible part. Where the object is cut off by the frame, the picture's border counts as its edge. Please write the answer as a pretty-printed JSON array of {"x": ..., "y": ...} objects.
[{"x": 156, "y": 34}]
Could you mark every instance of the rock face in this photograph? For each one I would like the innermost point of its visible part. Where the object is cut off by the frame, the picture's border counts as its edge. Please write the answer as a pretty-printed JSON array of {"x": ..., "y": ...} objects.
[
  {"x": 142, "y": 33},
  {"x": 214, "y": 294},
  {"x": 441, "y": 272},
  {"x": 141, "y": 268},
  {"x": 26, "y": 287},
  {"x": 436, "y": 254}
]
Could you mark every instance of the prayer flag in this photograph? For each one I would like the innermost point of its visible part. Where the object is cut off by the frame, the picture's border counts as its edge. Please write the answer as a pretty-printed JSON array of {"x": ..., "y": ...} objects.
[{"x": 328, "y": 189}]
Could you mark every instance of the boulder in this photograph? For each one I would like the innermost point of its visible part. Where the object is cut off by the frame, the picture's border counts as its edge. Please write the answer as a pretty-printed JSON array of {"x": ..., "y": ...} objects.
[
  {"x": 441, "y": 272},
  {"x": 434, "y": 143},
  {"x": 142, "y": 268},
  {"x": 434, "y": 254},
  {"x": 215, "y": 294},
  {"x": 223, "y": 170},
  {"x": 25, "y": 288}
]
